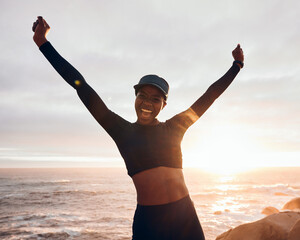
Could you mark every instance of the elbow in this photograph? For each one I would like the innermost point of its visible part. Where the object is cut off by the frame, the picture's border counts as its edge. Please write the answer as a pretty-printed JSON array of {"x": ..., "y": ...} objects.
[{"x": 77, "y": 83}]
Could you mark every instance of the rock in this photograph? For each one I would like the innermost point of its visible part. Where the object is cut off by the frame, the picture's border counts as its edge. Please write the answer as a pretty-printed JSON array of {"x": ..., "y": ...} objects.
[
  {"x": 277, "y": 226},
  {"x": 269, "y": 210},
  {"x": 294, "y": 204},
  {"x": 294, "y": 233},
  {"x": 218, "y": 212},
  {"x": 280, "y": 194}
]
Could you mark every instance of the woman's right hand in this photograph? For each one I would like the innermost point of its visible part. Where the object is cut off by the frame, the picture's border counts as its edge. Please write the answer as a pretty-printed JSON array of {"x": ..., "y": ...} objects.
[{"x": 40, "y": 28}]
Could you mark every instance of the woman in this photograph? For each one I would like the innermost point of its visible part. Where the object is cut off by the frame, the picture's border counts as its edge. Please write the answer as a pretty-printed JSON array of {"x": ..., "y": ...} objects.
[{"x": 150, "y": 149}]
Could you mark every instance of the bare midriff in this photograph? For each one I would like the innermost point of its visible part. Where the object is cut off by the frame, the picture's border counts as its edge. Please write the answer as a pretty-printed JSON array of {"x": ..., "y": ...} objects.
[{"x": 159, "y": 185}]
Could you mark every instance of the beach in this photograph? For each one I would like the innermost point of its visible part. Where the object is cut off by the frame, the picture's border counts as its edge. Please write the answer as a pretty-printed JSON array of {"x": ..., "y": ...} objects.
[{"x": 99, "y": 203}]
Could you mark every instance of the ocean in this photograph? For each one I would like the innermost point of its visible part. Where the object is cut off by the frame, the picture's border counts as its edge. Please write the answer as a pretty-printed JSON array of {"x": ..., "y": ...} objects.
[{"x": 99, "y": 203}]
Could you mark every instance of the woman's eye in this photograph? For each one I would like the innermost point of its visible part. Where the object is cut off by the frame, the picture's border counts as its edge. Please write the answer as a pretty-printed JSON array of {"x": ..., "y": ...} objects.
[
  {"x": 156, "y": 100},
  {"x": 141, "y": 96}
]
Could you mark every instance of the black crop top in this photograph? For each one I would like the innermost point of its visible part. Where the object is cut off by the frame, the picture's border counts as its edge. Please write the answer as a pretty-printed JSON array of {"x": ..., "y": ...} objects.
[{"x": 142, "y": 147}]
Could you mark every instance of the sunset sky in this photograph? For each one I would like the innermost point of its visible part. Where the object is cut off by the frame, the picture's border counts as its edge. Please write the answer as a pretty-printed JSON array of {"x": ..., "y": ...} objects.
[{"x": 256, "y": 122}]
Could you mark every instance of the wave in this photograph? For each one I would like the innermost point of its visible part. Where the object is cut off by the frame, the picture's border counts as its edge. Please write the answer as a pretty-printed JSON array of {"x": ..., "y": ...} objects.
[
  {"x": 49, "y": 194},
  {"x": 276, "y": 189},
  {"x": 63, "y": 217},
  {"x": 8, "y": 233},
  {"x": 54, "y": 235},
  {"x": 295, "y": 187},
  {"x": 38, "y": 184},
  {"x": 63, "y": 226},
  {"x": 61, "y": 181},
  {"x": 81, "y": 192}
]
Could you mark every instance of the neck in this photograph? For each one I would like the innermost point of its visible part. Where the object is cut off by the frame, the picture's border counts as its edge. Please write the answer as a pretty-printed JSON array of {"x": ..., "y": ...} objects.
[{"x": 153, "y": 123}]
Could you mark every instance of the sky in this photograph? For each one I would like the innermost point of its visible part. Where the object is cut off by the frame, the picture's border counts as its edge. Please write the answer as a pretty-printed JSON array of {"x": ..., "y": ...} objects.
[{"x": 256, "y": 122}]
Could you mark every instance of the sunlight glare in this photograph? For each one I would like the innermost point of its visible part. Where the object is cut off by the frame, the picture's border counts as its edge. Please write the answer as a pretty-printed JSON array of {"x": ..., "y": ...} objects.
[{"x": 226, "y": 150}]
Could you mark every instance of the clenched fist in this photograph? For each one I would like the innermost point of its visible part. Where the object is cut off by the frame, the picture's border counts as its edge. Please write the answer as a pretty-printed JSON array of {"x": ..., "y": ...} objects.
[
  {"x": 40, "y": 28},
  {"x": 238, "y": 54}
]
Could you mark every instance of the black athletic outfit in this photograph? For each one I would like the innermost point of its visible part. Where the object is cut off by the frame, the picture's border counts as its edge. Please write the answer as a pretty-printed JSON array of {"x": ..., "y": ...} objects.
[{"x": 145, "y": 147}]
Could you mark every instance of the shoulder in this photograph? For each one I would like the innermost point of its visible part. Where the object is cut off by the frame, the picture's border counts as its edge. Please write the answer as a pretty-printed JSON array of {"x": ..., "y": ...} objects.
[
  {"x": 114, "y": 124},
  {"x": 183, "y": 120}
]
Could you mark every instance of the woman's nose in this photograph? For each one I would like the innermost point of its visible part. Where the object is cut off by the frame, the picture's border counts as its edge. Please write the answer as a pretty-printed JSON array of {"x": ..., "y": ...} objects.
[{"x": 147, "y": 101}]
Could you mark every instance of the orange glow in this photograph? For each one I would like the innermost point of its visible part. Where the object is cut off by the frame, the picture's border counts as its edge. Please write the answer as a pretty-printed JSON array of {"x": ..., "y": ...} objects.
[{"x": 226, "y": 150}]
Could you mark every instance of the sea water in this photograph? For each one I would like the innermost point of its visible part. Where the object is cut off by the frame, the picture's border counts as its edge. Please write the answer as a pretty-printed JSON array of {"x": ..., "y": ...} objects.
[{"x": 99, "y": 203}]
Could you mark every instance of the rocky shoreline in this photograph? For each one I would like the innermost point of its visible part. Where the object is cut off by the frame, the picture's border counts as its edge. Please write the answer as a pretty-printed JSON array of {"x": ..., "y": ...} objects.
[{"x": 278, "y": 225}]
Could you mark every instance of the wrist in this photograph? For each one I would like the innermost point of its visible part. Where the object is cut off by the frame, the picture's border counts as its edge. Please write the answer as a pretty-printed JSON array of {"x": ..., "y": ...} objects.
[
  {"x": 239, "y": 63},
  {"x": 39, "y": 41}
]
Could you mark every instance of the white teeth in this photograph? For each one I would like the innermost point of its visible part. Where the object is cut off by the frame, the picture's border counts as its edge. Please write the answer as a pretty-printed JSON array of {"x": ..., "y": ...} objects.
[{"x": 145, "y": 110}]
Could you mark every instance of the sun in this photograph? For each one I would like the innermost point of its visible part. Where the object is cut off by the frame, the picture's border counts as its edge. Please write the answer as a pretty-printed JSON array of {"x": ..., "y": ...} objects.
[{"x": 225, "y": 150}]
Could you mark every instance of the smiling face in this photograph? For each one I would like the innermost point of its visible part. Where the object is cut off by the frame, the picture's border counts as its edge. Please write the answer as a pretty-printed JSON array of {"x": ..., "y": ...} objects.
[{"x": 148, "y": 103}]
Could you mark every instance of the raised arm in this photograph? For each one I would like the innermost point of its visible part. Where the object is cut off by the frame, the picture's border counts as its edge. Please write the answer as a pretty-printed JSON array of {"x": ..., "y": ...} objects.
[
  {"x": 88, "y": 96},
  {"x": 185, "y": 119},
  {"x": 218, "y": 87}
]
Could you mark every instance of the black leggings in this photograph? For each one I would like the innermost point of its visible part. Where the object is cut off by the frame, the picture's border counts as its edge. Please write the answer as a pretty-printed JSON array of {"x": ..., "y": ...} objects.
[{"x": 173, "y": 221}]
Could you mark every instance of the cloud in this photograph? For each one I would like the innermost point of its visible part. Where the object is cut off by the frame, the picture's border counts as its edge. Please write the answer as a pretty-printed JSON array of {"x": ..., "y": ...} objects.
[{"x": 114, "y": 43}]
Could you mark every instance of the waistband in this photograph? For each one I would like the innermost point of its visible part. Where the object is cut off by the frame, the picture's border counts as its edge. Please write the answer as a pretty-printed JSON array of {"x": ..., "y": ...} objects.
[{"x": 183, "y": 200}]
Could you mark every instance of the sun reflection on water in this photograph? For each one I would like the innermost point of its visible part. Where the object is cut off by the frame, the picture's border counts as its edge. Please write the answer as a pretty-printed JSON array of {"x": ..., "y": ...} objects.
[{"x": 228, "y": 203}]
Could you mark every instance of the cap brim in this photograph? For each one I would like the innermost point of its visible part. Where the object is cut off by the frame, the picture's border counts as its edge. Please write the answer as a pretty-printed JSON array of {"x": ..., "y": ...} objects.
[{"x": 137, "y": 87}]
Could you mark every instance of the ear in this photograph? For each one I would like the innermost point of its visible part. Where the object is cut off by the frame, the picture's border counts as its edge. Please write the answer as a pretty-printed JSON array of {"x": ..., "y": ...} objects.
[{"x": 164, "y": 104}]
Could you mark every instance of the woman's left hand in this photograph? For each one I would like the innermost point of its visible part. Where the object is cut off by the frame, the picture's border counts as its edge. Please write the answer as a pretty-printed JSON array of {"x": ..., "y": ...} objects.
[
  {"x": 238, "y": 54},
  {"x": 40, "y": 28}
]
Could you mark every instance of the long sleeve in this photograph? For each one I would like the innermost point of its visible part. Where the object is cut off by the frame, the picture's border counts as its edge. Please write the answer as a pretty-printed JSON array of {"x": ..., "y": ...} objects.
[
  {"x": 63, "y": 67},
  {"x": 87, "y": 95},
  {"x": 215, "y": 90},
  {"x": 186, "y": 118}
]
